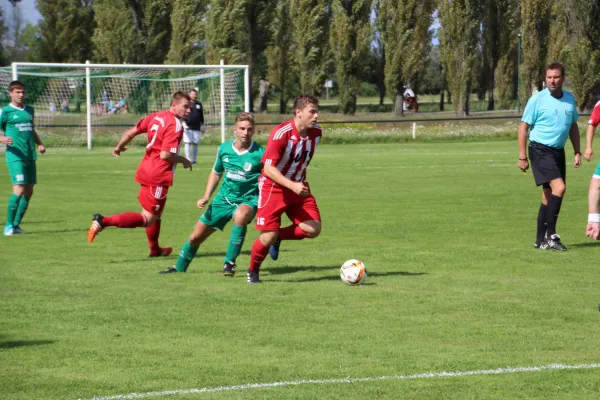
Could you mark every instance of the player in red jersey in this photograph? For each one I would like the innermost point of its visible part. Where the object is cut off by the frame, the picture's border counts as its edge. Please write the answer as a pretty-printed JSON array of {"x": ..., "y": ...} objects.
[
  {"x": 154, "y": 174},
  {"x": 593, "y": 226},
  {"x": 282, "y": 186}
]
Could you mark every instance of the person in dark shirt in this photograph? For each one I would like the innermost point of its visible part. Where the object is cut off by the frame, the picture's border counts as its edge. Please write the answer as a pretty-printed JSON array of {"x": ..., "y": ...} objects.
[{"x": 193, "y": 127}]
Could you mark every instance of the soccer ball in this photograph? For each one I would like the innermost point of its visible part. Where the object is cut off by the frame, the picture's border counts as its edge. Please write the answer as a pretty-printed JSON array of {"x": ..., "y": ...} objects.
[{"x": 353, "y": 272}]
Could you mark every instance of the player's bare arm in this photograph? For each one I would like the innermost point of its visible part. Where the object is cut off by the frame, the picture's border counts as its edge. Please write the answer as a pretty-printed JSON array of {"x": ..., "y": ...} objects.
[
  {"x": 176, "y": 159},
  {"x": 276, "y": 176},
  {"x": 126, "y": 138},
  {"x": 523, "y": 163},
  {"x": 575, "y": 141},
  {"x": 593, "y": 226},
  {"x": 38, "y": 141},
  {"x": 211, "y": 185},
  {"x": 589, "y": 139}
]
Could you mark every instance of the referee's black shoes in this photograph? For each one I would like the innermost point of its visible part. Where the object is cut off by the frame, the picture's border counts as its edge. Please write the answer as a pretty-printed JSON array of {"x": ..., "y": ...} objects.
[{"x": 554, "y": 243}]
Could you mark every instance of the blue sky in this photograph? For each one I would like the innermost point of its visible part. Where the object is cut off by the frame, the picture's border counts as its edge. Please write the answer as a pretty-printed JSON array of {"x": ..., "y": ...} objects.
[{"x": 28, "y": 11}]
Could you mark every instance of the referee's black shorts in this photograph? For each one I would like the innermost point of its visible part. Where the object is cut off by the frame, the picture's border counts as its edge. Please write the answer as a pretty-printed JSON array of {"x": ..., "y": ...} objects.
[{"x": 547, "y": 163}]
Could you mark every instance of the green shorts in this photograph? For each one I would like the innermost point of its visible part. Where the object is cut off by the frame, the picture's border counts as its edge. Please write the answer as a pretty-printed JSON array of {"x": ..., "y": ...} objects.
[
  {"x": 597, "y": 172},
  {"x": 22, "y": 172},
  {"x": 220, "y": 212}
]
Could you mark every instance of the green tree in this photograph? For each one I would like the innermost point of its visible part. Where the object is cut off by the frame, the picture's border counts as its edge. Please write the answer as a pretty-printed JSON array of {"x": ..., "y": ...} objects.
[
  {"x": 380, "y": 9},
  {"x": 309, "y": 24},
  {"x": 350, "y": 38},
  {"x": 583, "y": 56},
  {"x": 459, "y": 36},
  {"x": 188, "y": 32},
  {"x": 30, "y": 40},
  {"x": 406, "y": 40},
  {"x": 238, "y": 32},
  {"x": 505, "y": 74},
  {"x": 535, "y": 31},
  {"x": 281, "y": 67},
  {"x": 132, "y": 31},
  {"x": 65, "y": 30}
]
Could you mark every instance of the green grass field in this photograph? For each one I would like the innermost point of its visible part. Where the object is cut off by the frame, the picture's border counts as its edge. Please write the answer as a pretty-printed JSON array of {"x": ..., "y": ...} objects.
[{"x": 454, "y": 285}]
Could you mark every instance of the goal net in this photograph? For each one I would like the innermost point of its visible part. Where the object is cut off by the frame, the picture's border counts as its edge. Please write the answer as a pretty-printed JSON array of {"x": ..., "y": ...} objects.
[{"x": 93, "y": 104}]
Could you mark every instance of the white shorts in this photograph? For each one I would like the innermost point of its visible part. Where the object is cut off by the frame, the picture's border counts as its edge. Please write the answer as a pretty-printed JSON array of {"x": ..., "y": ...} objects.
[{"x": 191, "y": 136}]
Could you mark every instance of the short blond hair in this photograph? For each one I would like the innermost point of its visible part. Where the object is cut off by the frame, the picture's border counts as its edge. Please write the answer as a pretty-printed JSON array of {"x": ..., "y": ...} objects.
[{"x": 244, "y": 116}]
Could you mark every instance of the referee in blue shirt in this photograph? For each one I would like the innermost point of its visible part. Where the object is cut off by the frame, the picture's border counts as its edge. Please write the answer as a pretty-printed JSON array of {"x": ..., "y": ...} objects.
[{"x": 550, "y": 116}]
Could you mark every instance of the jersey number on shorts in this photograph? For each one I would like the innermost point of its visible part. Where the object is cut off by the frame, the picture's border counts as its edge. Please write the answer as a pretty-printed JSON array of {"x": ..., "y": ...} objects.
[{"x": 260, "y": 221}]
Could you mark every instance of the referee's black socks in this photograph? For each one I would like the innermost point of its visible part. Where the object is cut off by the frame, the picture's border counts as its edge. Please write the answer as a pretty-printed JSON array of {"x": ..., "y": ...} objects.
[
  {"x": 541, "y": 224},
  {"x": 554, "y": 203}
]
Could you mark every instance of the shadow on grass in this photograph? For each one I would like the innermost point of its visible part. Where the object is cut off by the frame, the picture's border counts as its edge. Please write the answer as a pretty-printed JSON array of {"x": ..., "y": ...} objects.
[
  {"x": 12, "y": 344},
  {"x": 173, "y": 255},
  {"x": 284, "y": 270},
  {"x": 292, "y": 269},
  {"x": 586, "y": 244},
  {"x": 57, "y": 231}
]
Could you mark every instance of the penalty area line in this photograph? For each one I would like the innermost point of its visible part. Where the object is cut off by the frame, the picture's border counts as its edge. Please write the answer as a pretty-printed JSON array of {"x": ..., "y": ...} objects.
[{"x": 426, "y": 375}]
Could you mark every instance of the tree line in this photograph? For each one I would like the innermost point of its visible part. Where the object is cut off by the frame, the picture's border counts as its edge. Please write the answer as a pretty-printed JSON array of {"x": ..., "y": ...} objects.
[{"x": 299, "y": 44}]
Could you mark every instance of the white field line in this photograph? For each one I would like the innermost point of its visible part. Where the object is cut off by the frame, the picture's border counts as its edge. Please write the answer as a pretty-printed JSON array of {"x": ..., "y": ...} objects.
[
  {"x": 408, "y": 166},
  {"x": 426, "y": 375}
]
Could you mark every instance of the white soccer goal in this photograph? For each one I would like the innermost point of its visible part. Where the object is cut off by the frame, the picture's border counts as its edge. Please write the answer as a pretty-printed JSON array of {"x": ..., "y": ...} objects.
[{"x": 86, "y": 104}]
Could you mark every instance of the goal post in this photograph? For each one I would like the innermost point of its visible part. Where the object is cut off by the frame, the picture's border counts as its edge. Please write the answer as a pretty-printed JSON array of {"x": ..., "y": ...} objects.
[{"x": 84, "y": 103}]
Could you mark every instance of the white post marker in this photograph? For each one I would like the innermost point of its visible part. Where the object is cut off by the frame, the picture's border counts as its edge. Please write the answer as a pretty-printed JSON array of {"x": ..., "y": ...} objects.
[
  {"x": 414, "y": 130},
  {"x": 222, "y": 73},
  {"x": 88, "y": 105}
]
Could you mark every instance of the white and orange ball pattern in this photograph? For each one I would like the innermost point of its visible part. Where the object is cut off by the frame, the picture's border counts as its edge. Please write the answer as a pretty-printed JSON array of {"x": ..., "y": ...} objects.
[{"x": 353, "y": 272}]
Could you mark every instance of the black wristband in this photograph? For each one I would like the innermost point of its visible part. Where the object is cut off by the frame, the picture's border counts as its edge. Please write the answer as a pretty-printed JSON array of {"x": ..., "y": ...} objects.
[{"x": 523, "y": 159}]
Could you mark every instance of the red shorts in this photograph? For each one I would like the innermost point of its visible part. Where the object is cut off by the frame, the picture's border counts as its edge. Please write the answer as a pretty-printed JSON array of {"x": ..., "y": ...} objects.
[
  {"x": 273, "y": 201},
  {"x": 153, "y": 199}
]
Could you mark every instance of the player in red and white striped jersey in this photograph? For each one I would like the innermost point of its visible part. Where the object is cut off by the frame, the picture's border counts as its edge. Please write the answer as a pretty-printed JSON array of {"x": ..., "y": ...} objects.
[
  {"x": 593, "y": 226},
  {"x": 282, "y": 185},
  {"x": 154, "y": 174}
]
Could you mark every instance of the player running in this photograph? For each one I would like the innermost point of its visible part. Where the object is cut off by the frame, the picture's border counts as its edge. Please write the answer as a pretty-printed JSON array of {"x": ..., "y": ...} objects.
[
  {"x": 240, "y": 160},
  {"x": 154, "y": 174},
  {"x": 282, "y": 186}
]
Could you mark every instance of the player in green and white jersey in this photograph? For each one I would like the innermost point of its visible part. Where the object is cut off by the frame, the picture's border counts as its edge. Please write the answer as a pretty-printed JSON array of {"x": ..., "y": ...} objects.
[
  {"x": 20, "y": 138},
  {"x": 240, "y": 161}
]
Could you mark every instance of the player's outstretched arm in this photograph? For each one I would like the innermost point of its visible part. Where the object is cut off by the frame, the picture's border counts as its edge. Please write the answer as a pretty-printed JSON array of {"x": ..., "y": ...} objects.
[
  {"x": 297, "y": 187},
  {"x": 127, "y": 137},
  {"x": 589, "y": 139}
]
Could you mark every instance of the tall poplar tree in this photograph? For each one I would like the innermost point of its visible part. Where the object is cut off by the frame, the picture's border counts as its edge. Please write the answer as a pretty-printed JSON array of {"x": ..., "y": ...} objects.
[
  {"x": 459, "y": 36},
  {"x": 238, "y": 31},
  {"x": 65, "y": 29},
  {"x": 309, "y": 24},
  {"x": 281, "y": 66},
  {"x": 132, "y": 31},
  {"x": 406, "y": 40},
  {"x": 187, "y": 37},
  {"x": 535, "y": 30},
  {"x": 350, "y": 38}
]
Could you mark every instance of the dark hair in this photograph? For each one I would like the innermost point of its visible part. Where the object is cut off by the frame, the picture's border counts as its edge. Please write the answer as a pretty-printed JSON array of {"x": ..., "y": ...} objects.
[
  {"x": 303, "y": 100},
  {"x": 178, "y": 96},
  {"x": 244, "y": 116},
  {"x": 15, "y": 84},
  {"x": 556, "y": 65}
]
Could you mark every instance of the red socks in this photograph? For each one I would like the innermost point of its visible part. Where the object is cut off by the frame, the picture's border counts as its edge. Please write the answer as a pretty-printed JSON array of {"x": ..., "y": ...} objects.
[
  {"x": 153, "y": 232},
  {"x": 292, "y": 232},
  {"x": 258, "y": 254},
  {"x": 125, "y": 220}
]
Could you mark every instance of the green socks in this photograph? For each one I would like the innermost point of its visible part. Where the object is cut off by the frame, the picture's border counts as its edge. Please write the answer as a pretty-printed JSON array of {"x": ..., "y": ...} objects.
[
  {"x": 23, "y": 205},
  {"x": 236, "y": 240},
  {"x": 13, "y": 205},
  {"x": 186, "y": 255}
]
